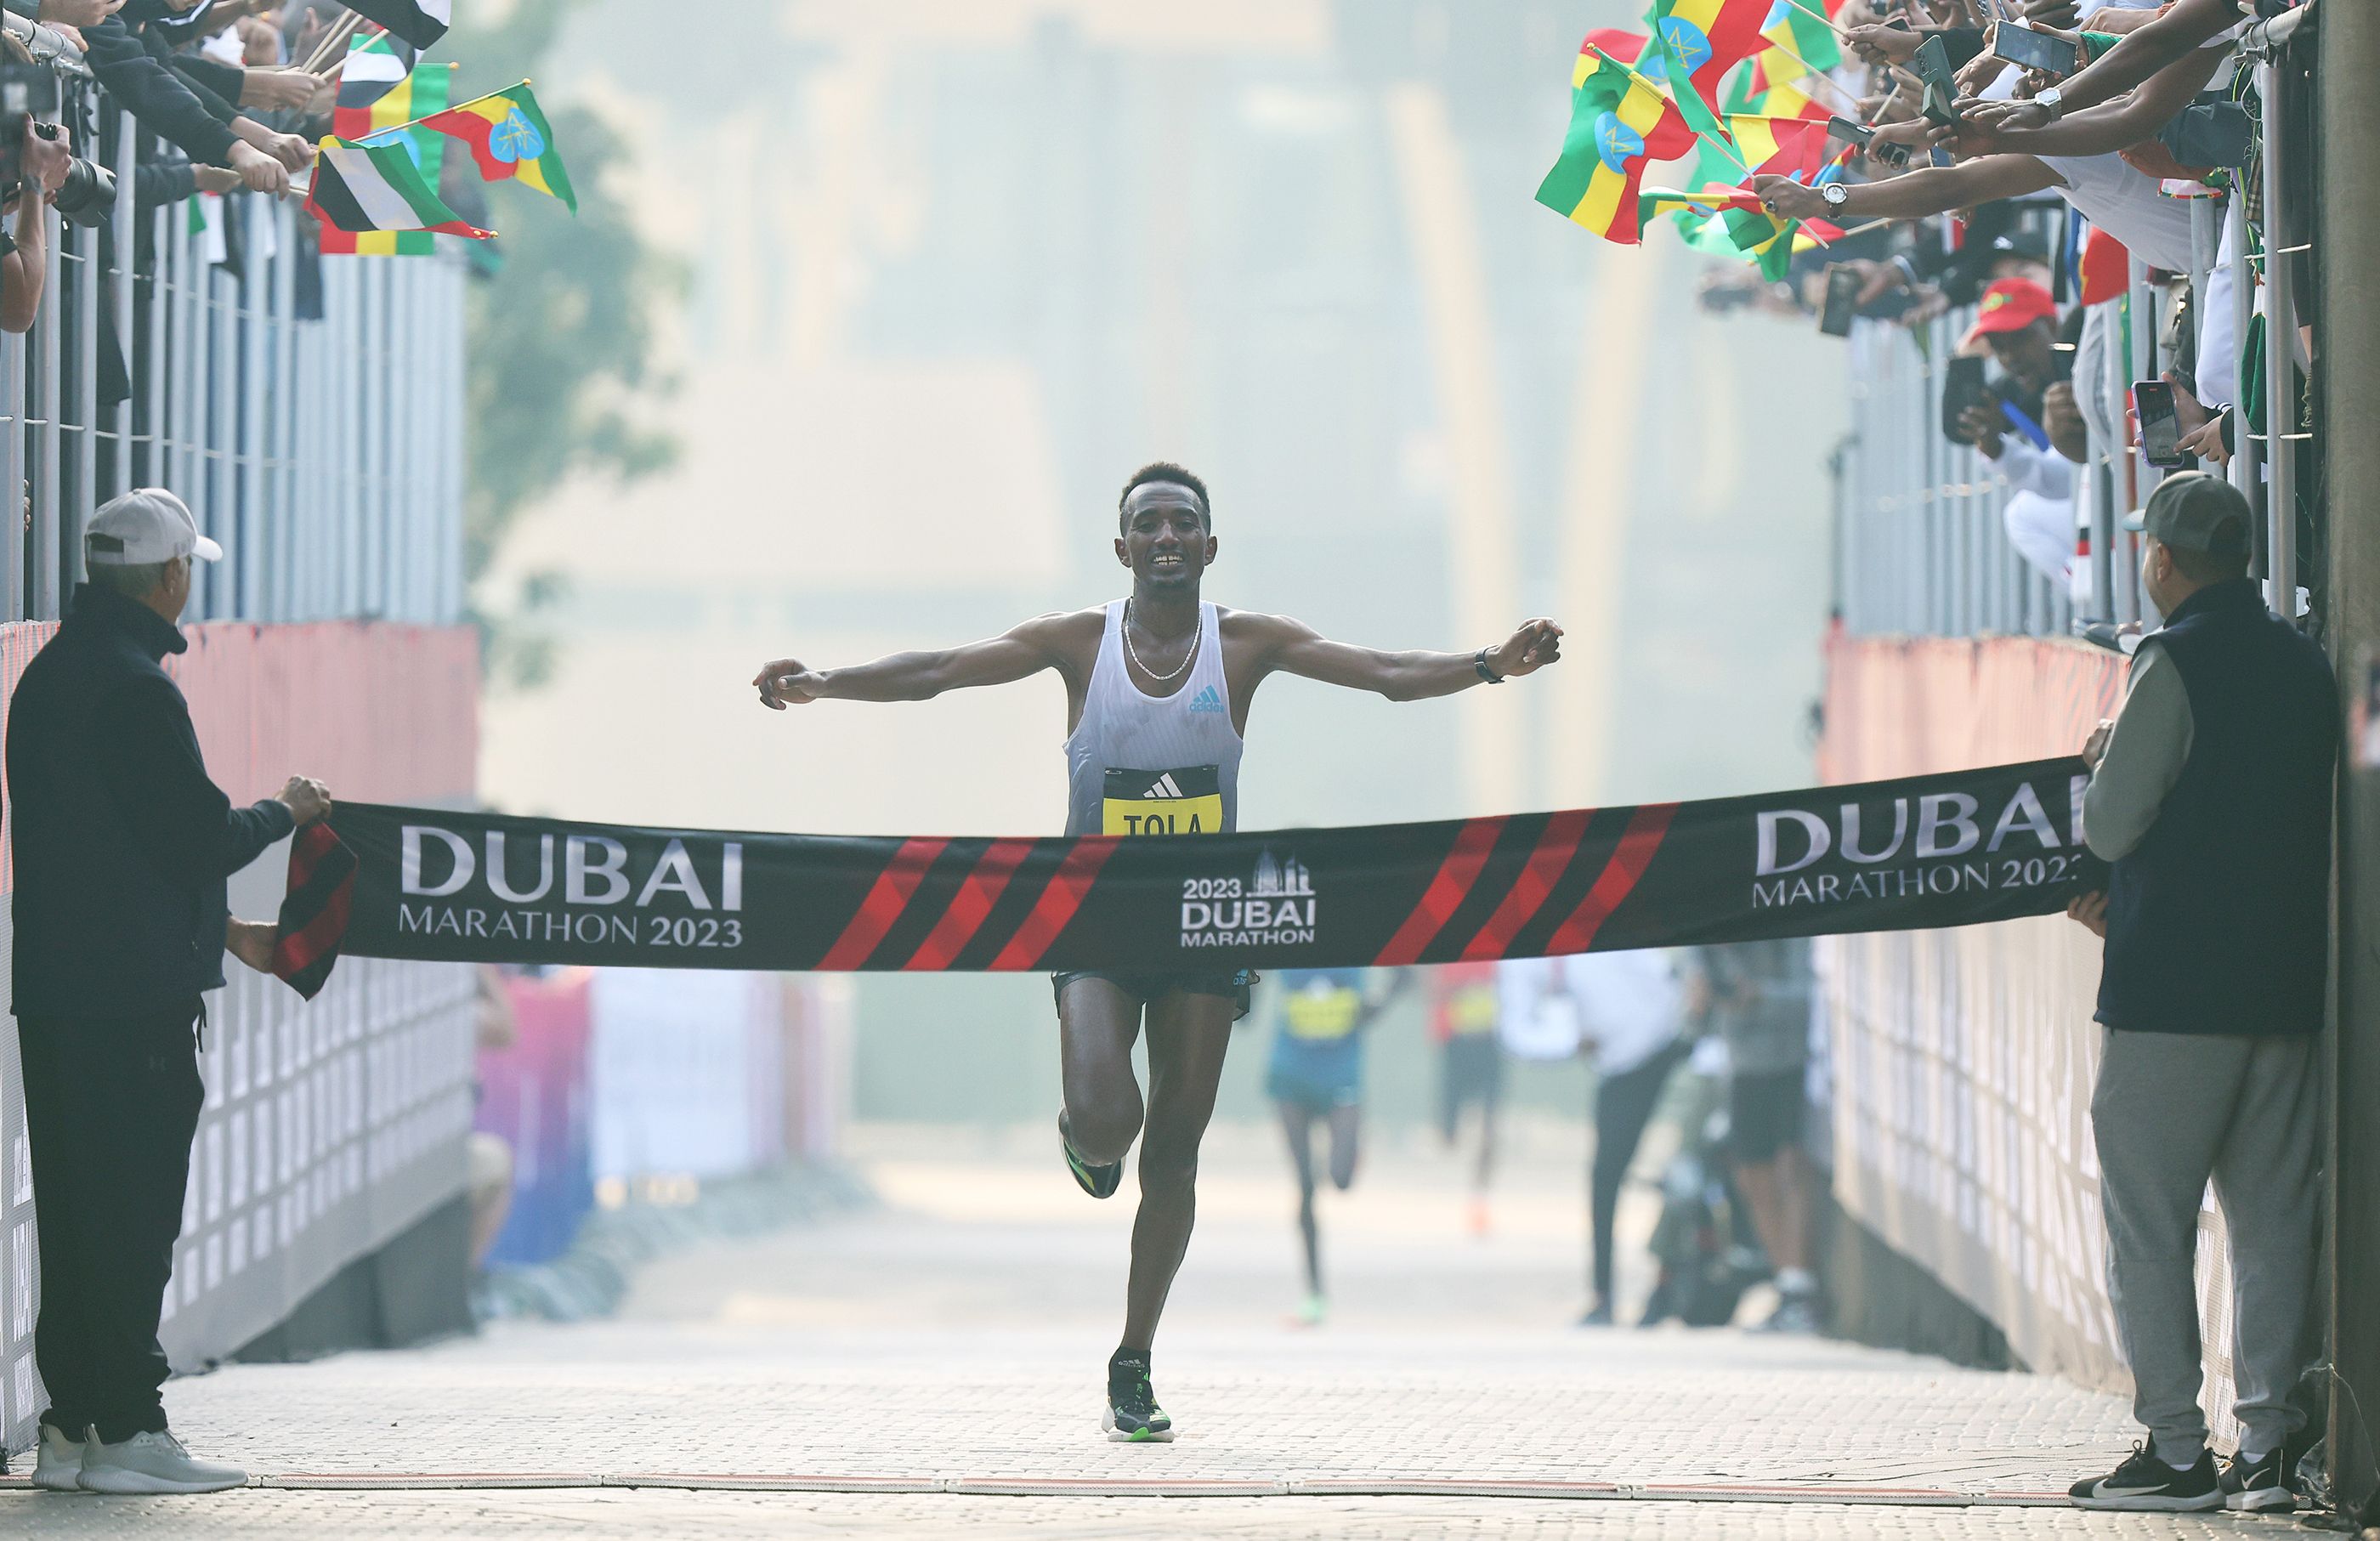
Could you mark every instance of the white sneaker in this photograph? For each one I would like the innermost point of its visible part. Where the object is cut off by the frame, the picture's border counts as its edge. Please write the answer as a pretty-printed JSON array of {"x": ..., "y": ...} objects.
[
  {"x": 58, "y": 1462},
  {"x": 152, "y": 1464}
]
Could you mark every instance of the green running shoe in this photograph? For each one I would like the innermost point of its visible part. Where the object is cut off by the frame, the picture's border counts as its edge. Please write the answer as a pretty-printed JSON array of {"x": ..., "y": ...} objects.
[
  {"x": 1133, "y": 1415},
  {"x": 1099, "y": 1181}
]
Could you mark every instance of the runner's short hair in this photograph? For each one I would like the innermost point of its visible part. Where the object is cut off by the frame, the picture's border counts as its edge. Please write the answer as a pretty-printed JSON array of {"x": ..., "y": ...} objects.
[{"x": 1167, "y": 471}]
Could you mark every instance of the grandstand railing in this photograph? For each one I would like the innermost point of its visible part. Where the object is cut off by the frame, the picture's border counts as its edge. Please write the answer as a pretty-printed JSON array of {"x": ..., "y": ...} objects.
[{"x": 325, "y": 454}]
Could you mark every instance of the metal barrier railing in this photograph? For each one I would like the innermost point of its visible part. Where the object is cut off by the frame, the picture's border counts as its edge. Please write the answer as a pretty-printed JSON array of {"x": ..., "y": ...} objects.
[
  {"x": 1921, "y": 547},
  {"x": 325, "y": 454},
  {"x": 1918, "y": 547}
]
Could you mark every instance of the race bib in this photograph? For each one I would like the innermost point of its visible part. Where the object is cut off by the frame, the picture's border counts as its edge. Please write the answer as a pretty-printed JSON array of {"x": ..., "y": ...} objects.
[{"x": 1187, "y": 801}]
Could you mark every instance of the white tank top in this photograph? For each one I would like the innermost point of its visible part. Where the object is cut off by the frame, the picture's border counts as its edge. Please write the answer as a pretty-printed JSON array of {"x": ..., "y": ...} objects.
[{"x": 1142, "y": 764}]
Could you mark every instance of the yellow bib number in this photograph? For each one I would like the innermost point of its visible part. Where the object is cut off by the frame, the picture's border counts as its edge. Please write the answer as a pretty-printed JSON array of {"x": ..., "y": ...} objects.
[{"x": 1187, "y": 801}]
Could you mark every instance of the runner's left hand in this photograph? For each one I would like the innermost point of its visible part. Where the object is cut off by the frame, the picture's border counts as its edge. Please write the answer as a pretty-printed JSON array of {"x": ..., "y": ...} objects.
[
  {"x": 2090, "y": 912},
  {"x": 1534, "y": 644}
]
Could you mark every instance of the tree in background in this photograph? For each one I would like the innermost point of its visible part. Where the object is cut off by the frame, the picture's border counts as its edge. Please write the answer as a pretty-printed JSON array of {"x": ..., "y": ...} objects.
[{"x": 562, "y": 316}]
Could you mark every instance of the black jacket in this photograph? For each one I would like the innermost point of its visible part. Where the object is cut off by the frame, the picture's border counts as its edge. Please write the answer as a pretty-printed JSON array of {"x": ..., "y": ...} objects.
[{"x": 122, "y": 842}]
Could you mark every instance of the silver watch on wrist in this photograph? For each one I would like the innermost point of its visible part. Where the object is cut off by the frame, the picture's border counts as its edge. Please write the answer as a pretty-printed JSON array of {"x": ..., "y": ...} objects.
[
  {"x": 1836, "y": 195},
  {"x": 2053, "y": 99}
]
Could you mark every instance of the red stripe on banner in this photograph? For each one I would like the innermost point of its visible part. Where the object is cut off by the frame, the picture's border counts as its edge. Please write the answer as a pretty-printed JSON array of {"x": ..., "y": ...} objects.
[
  {"x": 885, "y": 901},
  {"x": 1447, "y": 891},
  {"x": 304, "y": 854},
  {"x": 1618, "y": 879},
  {"x": 302, "y": 952},
  {"x": 1531, "y": 888},
  {"x": 970, "y": 905},
  {"x": 1058, "y": 901}
]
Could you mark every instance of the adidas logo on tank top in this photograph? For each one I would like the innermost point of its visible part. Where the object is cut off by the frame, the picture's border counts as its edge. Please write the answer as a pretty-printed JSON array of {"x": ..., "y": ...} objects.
[{"x": 1209, "y": 699}]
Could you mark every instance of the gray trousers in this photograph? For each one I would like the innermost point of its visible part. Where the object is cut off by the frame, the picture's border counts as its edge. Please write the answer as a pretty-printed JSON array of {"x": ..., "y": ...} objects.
[{"x": 2171, "y": 1112}]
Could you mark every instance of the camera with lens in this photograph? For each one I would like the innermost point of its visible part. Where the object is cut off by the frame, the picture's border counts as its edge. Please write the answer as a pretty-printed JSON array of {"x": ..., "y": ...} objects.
[{"x": 88, "y": 195}]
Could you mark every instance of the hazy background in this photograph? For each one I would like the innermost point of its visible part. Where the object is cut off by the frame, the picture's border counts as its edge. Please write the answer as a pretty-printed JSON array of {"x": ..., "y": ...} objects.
[{"x": 958, "y": 266}]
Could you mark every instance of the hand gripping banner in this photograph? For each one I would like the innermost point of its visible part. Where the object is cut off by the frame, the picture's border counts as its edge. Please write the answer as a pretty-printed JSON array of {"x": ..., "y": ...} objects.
[{"x": 1927, "y": 851}]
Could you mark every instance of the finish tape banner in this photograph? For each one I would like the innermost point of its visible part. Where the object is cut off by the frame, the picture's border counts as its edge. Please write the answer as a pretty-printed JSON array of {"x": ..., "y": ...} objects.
[{"x": 1921, "y": 852}]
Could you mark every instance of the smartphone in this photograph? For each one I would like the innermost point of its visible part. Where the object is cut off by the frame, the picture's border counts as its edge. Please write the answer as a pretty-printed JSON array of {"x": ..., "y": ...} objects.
[
  {"x": 1941, "y": 90},
  {"x": 2017, "y": 44},
  {"x": 1842, "y": 301},
  {"x": 1842, "y": 130},
  {"x": 2160, "y": 425},
  {"x": 1963, "y": 387}
]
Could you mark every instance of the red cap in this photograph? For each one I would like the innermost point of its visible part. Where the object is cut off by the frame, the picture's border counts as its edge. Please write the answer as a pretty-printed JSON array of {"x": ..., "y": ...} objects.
[{"x": 2011, "y": 305}]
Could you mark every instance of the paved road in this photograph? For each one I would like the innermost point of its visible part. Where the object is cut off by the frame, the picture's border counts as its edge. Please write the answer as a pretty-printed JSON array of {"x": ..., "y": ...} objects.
[{"x": 951, "y": 1344}]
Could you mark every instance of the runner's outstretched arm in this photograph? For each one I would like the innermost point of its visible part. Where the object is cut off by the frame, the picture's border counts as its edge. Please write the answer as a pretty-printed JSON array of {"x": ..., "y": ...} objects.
[
  {"x": 1021, "y": 651},
  {"x": 1295, "y": 647}
]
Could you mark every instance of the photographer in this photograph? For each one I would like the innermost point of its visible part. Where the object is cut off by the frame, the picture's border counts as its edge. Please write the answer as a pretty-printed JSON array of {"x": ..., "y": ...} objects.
[{"x": 24, "y": 256}]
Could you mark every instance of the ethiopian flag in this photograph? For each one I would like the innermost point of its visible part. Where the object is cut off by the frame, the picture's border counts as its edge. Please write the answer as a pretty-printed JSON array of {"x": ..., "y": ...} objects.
[
  {"x": 1793, "y": 147},
  {"x": 360, "y": 188},
  {"x": 1791, "y": 30},
  {"x": 1703, "y": 39},
  {"x": 1620, "y": 122},
  {"x": 509, "y": 137},
  {"x": 381, "y": 93}
]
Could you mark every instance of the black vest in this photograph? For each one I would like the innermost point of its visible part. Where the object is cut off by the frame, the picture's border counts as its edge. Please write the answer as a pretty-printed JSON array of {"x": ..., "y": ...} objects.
[{"x": 2219, "y": 920}]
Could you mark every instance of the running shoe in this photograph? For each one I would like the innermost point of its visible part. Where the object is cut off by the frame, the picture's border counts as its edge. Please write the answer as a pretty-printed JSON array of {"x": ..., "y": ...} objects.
[
  {"x": 1133, "y": 1415},
  {"x": 2257, "y": 1487},
  {"x": 1099, "y": 1181},
  {"x": 1310, "y": 1310},
  {"x": 2143, "y": 1482}
]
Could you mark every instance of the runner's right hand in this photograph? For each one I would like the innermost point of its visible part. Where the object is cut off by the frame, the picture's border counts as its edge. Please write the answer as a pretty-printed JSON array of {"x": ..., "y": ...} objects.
[{"x": 785, "y": 681}]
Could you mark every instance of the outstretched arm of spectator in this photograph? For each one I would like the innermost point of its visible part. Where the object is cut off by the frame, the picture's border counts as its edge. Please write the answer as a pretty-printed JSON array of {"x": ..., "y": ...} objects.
[
  {"x": 1934, "y": 190},
  {"x": 153, "y": 94},
  {"x": 2190, "y": 24},
  {"x": 149, "y": 755},
  {"x": 2102, "y": 130}
]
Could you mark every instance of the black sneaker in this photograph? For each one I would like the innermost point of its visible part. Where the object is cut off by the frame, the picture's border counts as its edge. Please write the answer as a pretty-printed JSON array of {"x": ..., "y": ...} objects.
[
  {"x": 1133, "y": 1415},
  {"x": 1099, "y": 1181},
  {"x": 2257, "y": 1487},
  {"x": 2144, "y": 1482}
]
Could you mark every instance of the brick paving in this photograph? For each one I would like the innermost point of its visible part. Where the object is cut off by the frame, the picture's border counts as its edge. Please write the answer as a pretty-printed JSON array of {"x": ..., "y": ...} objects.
[{"x": 951, "y": 1344}]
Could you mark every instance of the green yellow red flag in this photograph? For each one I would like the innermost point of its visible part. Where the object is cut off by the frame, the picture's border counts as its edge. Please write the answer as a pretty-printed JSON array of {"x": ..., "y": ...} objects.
[
  {"x": 1702, "y": 40},
  {"x": 509, "y": 137},
  {"x": 1619, "y": 123}
]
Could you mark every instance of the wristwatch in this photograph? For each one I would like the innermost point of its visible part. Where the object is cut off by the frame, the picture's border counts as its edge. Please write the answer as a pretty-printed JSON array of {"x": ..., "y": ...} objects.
[
  {"x": 2053, "y": 99},
  {"x": 1479, "y": 666},
  {"x": 1836, "y": 195}
]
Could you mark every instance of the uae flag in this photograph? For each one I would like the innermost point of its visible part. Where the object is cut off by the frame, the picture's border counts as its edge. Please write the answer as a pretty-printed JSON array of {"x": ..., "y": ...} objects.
[
  {"x": 418, "y": 22},
  {"x": 381, "y": 92},
  {"x": 377, "y": 186}
]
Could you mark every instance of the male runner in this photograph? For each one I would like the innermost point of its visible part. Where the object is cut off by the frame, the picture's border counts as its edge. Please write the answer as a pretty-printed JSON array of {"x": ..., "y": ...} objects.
[
  {"x": 1157, "y": 698},
  {"x": 1317, "y": 1076}
]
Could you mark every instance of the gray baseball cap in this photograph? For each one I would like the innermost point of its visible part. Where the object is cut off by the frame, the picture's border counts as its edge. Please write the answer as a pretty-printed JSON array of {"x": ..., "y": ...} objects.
[
  {"x": 2192, "y": 511},
  {"x": 148, "y": 524}
]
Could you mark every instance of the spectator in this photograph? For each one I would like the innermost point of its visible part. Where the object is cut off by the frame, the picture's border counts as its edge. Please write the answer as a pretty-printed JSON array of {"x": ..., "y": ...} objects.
[
  {"x": 2018, "y": 321},
  {"x": 1757, "y": 995},
  {"x": 1628, "y": 1010},
  {"x": 2211, "y": 794},
  {"x": 122, "y": 849},
  {"x": 24, "y": 257}
]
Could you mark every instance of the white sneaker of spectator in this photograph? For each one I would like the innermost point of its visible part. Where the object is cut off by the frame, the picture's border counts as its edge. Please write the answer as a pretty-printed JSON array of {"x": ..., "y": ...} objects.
[
  {"x": 57, "y": 1461},
  {"x": 152, "y": 1464}
]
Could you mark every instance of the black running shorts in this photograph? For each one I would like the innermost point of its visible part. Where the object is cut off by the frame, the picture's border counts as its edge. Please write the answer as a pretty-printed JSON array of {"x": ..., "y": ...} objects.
[{"x": 1146, "y": 988}]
